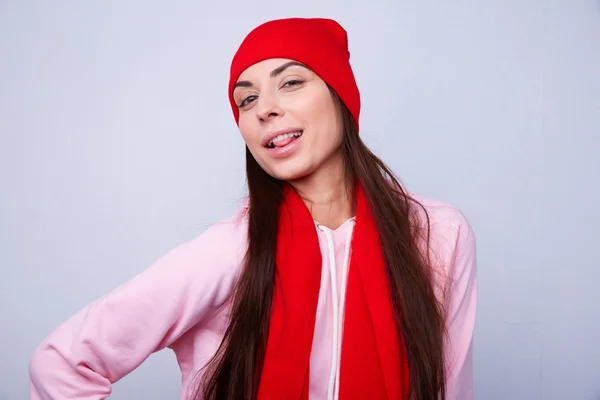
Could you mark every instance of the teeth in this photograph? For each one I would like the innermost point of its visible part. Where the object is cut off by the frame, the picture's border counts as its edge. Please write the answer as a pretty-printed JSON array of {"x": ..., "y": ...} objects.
[{"x": 284, "y": 136}]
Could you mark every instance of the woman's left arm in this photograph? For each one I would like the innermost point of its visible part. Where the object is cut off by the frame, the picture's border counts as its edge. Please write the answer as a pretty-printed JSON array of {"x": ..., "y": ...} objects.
[{"x": 461, "y": 305}]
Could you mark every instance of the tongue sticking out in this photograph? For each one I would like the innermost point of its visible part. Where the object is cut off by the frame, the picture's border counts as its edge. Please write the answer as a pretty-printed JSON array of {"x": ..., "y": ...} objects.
[{"x": 285, "y": 142}]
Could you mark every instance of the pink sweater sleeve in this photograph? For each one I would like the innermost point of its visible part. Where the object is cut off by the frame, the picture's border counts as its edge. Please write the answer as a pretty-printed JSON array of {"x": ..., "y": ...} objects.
[
  {"x": 112, "y": 336},
  {"x": 461, "y": 304}
]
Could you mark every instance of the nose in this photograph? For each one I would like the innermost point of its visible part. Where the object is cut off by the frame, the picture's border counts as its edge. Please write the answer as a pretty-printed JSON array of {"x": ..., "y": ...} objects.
[{"x": 268, "y": 107}]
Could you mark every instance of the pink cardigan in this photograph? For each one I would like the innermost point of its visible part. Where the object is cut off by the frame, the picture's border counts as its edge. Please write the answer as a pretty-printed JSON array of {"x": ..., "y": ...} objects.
[{"x": 182, "y": 302}]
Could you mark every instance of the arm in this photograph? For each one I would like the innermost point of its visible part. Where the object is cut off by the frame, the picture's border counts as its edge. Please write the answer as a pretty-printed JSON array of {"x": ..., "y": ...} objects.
[
  {"x": 112, "y": 336},
  {"x": 461, "y": 304}
]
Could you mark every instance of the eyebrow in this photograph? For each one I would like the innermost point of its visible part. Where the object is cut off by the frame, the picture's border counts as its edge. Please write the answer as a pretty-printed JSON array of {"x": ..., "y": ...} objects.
[{"x": 277, "y": 71}]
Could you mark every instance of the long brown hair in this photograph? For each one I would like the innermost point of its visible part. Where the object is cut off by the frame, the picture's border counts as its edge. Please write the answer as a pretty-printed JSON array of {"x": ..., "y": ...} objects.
[{"x": 234, "y": 371}]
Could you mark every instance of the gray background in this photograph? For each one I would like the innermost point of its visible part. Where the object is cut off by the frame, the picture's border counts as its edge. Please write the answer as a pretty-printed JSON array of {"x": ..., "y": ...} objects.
[{"x": 117, "y": 143}]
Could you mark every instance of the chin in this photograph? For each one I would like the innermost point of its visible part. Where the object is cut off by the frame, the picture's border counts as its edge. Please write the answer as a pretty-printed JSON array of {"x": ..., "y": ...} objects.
[{"x": 289, "y": 173}]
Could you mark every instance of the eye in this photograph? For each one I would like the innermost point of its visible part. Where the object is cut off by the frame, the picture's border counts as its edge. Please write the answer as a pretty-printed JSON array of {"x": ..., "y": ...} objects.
[
  {"x": 247, "y": 100},
  {"x": 293, "y": 82}
]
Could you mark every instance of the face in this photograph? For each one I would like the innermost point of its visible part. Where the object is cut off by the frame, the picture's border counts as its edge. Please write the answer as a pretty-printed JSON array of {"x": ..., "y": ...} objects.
[{"x": 288, "y": 118}]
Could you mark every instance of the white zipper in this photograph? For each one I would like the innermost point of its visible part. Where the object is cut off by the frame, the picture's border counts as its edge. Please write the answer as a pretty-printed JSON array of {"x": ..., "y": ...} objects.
[{"x": 338, "y": 310}]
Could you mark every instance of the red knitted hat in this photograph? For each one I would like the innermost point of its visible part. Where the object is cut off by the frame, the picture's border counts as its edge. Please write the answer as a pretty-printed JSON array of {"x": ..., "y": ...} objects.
[{"x": 320, "y": 44}]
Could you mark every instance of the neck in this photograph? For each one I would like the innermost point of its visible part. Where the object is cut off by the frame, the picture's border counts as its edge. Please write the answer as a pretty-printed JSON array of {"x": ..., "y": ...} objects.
[{"x": 327, "y": 196}]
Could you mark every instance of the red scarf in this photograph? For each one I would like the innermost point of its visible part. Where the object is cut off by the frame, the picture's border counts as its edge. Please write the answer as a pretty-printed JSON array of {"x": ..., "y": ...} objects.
[{"x": 373, "y": 365}]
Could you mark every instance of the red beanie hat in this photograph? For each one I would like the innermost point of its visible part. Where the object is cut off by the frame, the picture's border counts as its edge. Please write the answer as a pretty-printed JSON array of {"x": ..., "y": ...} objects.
[{"x": 320, "y": 44}]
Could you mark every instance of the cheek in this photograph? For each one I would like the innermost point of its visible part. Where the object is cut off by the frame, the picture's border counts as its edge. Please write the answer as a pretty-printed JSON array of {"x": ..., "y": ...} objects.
[
  {"x": 249, "y": 133},
  {"x": 328, "y": 123}
]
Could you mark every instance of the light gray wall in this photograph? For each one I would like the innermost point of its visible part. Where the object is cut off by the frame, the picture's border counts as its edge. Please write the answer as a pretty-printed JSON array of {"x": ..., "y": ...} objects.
[{"x": 117, "y": 143}]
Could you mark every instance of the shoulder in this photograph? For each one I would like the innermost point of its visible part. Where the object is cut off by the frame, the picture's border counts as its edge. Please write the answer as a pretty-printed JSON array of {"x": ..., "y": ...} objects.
[
  {"x": 219, "y": 249},
  {"x": 451, "y": 242},
  {"x": 225, "y": 235},
  {"x": 231, "y": 230},
  {"x": 446, "y": 221}
]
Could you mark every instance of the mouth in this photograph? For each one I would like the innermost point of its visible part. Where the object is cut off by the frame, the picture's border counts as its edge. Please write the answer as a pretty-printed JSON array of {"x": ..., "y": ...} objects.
[{"x": 283, "y": 140}]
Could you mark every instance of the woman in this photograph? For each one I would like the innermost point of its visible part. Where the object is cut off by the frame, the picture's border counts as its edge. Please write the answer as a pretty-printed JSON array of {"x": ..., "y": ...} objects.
[{"x": 329, "y": 282}]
